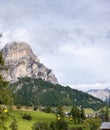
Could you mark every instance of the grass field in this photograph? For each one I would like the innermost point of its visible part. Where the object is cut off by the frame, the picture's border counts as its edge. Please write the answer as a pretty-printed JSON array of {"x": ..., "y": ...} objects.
[
  {"x": 37, "y": 116},
  {"x": 89, "y": 111}
]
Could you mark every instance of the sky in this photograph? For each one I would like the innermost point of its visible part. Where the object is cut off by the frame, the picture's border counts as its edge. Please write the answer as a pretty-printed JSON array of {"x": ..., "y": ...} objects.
[{"x": 71, "y": 37}]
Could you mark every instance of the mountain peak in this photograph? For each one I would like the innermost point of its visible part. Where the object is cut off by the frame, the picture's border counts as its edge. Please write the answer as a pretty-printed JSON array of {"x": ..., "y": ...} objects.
[
  {"x": 24, "y": 63},
  {"x": 18, "y": 50},
  {"x": 100, "y": 93}
]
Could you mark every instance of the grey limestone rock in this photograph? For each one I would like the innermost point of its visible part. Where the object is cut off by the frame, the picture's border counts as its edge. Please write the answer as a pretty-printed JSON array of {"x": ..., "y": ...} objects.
[{"x": 23, "y": 62}]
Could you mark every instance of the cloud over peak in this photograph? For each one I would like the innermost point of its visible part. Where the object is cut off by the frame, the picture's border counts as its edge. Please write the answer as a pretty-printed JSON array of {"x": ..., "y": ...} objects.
[{"x": 71, "y": 37}]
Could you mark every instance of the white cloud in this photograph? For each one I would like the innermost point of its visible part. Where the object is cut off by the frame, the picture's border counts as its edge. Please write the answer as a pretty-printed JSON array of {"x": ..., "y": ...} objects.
[
  {"x": 71, "y": 37},
  {"x": 85, "y": 87}
]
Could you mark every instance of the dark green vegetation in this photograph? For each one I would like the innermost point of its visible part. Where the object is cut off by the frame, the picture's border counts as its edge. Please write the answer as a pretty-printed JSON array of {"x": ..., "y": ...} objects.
[
  {"x": 5, "y": 97},
  {"x": 30, "y": 92}
]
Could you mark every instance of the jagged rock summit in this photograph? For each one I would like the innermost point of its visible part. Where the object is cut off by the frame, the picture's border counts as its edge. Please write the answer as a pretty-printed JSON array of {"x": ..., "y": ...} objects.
[
  {"x": 23, "y": 62},
  {"x": 102, "y": 94}
]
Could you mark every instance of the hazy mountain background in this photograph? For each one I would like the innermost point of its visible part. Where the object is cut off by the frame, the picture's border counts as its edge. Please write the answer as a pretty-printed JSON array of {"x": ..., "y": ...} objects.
[{"x": 102, "y": 94}]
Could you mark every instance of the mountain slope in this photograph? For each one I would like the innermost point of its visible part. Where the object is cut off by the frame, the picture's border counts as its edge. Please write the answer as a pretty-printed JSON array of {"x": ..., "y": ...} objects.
[
  {"x": 23, "y": 62},
  {"x": 30, "y": 91}
]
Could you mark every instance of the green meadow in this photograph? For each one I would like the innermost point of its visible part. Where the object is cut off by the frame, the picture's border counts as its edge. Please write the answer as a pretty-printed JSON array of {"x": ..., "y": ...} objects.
[
  {"x": 89, "y": 111},
  {"x": 37, "y": 116}
]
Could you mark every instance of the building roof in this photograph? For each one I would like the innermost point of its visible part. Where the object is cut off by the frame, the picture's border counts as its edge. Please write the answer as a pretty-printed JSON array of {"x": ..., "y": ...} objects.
[{"x": 105, "y": 125}]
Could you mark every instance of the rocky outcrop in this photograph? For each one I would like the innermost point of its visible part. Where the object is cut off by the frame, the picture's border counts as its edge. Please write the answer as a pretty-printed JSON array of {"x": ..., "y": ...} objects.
[
  {"x": 23, "y": 62},
  {"x": 102, "y": 94}
]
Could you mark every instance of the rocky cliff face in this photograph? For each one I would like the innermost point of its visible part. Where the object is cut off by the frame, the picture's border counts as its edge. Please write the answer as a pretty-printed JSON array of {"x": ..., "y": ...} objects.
[
  {"x": 23, "y": 63},
  {"x": 100, "y": 93}
]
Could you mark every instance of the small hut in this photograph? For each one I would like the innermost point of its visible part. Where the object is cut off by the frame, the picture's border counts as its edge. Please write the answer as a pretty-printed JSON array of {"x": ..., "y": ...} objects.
[{"x": 105, "y": 126}]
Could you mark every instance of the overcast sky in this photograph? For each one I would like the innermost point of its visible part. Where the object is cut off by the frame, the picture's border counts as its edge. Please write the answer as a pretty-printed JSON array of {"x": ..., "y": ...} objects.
[{"x": 71, "y": 37}]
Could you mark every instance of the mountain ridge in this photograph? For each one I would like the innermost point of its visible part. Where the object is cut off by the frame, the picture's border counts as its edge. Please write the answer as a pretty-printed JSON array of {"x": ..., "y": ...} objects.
[{"x": 102, "y": 94}]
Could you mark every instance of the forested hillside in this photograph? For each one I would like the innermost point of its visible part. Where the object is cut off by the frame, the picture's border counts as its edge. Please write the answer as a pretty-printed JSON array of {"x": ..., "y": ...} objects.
[{"x": 30, "y": 91}]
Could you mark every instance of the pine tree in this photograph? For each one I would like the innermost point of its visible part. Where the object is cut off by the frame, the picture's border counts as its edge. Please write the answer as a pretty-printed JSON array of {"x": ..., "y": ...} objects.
[
  {"x": 60, "y": 111},
  {"x": 5, "y": 95},
  {"x": 82, "y": 114},
  {"x": 77, "y": 114}
]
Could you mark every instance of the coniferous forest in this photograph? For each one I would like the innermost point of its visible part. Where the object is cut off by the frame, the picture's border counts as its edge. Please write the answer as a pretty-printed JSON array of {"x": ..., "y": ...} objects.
[{"x": 29, "y": 91}]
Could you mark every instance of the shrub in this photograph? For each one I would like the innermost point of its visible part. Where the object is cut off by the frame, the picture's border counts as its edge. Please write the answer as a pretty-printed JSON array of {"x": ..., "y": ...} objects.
[
  {"x": 26, "y": 107},
  {"x": 93, "y": 123},
  {"x": 19, "y": 106},
  {"x": 14, "y": 125},
  {"x": 78, "y": 128},
  {"x": 61, "y": 125},
  {"x": 35, "y": 108},
  {"x": 54, "y": 125},
  {"x": 48, "y": 109},
  {"x": 40, "y": 126},
  {"x": 27, "y": 116}
]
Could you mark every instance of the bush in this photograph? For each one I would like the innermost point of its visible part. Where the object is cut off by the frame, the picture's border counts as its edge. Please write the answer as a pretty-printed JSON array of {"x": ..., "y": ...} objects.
[
  {"x": 78, "y": 128},
  {"x": 40, "y": 126},
  {"x": 61, "y": 125},
  {"x": 19, "y": 106},
  {"x": 54, "y": 125},
  {"x": 27, "y": 116},
  {"x": 14, "y": 125},
  {"x": 26, "y": 107},
  {"x": 48, "y": 109},
  {"x": 35, "y": 108},
  {"x": 93, "y": 123}
]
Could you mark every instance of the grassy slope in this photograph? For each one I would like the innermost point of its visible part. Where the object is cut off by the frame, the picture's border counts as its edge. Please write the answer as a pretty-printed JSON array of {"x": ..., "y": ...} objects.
[
  {"x": 36, "y": 117},
  {"x": 89, "y": 110}
]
